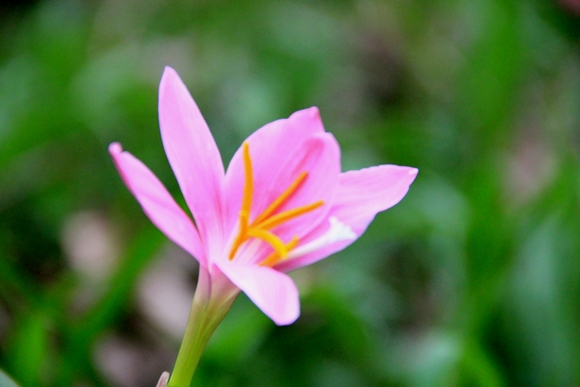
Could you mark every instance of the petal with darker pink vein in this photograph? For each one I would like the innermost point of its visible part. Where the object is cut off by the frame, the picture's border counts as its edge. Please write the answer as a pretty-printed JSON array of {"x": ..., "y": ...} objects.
[{"x": 280, "y": 152}]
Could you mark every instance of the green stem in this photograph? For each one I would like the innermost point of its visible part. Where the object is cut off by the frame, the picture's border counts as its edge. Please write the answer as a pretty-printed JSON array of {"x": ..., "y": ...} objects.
[{"x": 207, "y": 311}]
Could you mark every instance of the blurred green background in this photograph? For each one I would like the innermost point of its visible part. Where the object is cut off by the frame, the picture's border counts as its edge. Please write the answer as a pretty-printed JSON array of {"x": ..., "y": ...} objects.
[{"x": 472, "y": 280}]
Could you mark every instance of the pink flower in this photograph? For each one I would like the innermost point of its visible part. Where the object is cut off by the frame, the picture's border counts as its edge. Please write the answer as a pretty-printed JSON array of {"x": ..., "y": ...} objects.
[{"x": 283, "y": 202}]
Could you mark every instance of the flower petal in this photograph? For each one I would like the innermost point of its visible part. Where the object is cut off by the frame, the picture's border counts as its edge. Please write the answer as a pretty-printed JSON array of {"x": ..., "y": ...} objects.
[
  {"x": 360, "y": 196},
  {"x": 273, "y": 292},
  {"x": 156, "y": 202},
  {"x": 193, "y": 155},
  {"x": 280, "y": 152}
]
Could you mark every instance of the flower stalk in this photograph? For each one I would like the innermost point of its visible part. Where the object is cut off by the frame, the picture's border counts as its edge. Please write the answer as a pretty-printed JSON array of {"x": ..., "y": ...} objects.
[{"x": 210, "y": 306}]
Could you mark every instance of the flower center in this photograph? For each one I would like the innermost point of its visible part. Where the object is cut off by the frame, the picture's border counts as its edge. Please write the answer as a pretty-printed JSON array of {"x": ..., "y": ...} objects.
[{"x": 262, "y": 225}]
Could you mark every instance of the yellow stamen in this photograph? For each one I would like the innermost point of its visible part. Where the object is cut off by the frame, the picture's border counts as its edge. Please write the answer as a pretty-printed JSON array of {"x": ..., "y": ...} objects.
[
  {"x": 268, "y": 237},
  {"x": 285, "y": 216},
  {"x": 261, "y": 226},
  {"x": 249, "y": 183},
  {"x": 246, "y": 200},
  {"x": 274, "y": 258},
  {"x": 242, "y": 234},
  {"x": 280, "y": 200}
]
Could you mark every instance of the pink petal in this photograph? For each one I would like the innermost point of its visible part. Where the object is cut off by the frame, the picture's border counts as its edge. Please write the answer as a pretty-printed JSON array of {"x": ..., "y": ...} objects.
[
  {"x": 360, "y": 196},
  {"x": 193, "y": 155},
  {"x": 273, "y": 292},
  {"x": 280, "y": 152},
  {"x": 156, "y": 202}
]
